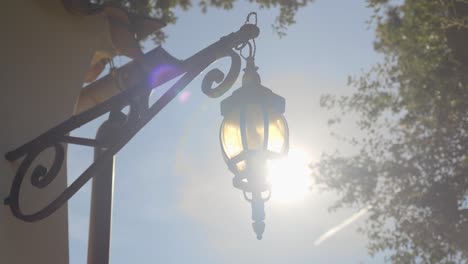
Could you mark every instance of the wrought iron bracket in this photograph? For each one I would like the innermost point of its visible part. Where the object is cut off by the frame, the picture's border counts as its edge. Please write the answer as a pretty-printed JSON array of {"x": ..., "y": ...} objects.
[{"x": 137, "y": 98}]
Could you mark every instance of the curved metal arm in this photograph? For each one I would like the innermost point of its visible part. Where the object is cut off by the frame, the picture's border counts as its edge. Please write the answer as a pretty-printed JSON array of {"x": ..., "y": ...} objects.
[{"x": 140, "y": 114}]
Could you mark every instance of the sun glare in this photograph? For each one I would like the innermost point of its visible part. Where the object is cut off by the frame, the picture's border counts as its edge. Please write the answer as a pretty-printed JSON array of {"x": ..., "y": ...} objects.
[{"x": 290, "y": 176}]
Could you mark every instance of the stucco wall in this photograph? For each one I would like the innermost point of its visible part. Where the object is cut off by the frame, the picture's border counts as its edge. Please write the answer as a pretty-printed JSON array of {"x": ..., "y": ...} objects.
[{"x": 45, "y": 53}]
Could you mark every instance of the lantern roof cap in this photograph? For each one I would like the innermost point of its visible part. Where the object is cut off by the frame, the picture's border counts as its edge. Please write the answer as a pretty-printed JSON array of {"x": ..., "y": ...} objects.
[{"x": 252, "y": 92}]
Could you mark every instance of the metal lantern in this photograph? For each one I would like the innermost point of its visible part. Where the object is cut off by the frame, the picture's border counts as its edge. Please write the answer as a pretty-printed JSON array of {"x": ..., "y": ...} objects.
[{"x": 253, "y": 131}]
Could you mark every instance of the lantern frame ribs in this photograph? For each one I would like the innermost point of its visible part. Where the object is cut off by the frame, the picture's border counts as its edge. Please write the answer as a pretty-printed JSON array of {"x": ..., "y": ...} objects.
[{"x": 251, "y": 176}]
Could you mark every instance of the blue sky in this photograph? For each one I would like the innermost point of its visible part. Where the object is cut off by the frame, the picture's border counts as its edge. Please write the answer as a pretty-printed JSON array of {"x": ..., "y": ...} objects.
[{"x": 174, "y": 201}]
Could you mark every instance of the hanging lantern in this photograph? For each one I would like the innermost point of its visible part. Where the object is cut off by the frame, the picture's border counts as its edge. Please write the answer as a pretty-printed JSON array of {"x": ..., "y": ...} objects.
[{"x": 253, "y": 131}]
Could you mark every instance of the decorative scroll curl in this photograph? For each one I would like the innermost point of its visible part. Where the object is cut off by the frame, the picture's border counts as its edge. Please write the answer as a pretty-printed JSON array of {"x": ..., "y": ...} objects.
[
  {"x": 40, "y": 178},
  {"x": 216, "y": 75}
]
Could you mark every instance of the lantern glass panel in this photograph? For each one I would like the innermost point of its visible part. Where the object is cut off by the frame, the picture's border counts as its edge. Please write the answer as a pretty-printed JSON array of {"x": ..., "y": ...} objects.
[
  {"x": 277, "y": 132},
  {"x": 240, "y": 166},
  {"x": 254, "y": 126},
  {"x": 231, "y": 134}
]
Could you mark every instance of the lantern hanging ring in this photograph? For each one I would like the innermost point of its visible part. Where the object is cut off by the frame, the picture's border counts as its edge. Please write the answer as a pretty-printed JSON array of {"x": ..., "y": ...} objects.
[
  {"x": 252, "y": 46},
  {"x": 247, "y": 20}
]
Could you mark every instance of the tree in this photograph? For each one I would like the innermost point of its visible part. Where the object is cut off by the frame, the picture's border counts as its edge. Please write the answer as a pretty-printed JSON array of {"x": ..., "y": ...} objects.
[
  {"x": 163, "y": 9},
  {"x": 412, "y": 166}
]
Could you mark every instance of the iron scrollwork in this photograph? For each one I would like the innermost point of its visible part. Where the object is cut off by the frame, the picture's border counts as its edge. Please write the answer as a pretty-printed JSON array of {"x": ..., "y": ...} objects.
[{"x": 137, "y": 98}]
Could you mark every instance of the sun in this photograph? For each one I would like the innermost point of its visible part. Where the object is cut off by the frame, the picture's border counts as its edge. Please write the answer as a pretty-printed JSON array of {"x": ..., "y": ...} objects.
[{"x": 290, "y": 176}]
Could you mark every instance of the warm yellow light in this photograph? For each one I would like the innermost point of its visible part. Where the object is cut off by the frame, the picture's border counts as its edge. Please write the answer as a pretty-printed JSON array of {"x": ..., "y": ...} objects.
[
  {"x": 231, "y": 137},
  {"x": 276, "y": 134},
  {"x": 290, "y": 176},
  {"x": 254, "y": 124},
  {"x": 254, "y": 127},
  {"x": 241, "y": 165}
]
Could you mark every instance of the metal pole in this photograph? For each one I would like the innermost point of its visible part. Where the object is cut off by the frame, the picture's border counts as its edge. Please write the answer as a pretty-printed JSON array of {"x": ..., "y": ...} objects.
[{"x": 100, "y": 220}]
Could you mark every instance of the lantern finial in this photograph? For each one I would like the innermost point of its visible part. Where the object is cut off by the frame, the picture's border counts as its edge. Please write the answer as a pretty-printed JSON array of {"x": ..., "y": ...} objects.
[{"x": 251, "y": 77}]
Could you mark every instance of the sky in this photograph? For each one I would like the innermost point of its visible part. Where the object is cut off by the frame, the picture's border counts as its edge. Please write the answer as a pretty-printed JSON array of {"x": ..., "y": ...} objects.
[{"x": 174, "y": 201}]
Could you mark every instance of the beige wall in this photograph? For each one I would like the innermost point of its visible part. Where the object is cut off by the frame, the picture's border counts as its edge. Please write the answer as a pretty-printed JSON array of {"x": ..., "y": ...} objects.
[{"x": 44, "y": 55}]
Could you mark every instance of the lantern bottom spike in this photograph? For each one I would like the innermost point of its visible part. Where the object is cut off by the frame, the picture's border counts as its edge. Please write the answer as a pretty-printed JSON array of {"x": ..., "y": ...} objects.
[
  {"x": 259, "y": 228},
  {"x": 258, "y": 214}
]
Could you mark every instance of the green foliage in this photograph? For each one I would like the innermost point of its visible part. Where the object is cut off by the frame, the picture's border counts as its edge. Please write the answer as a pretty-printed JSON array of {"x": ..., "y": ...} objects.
[
  {"x": 163, "y": 9},
  {"x": 412, "y": 168}
]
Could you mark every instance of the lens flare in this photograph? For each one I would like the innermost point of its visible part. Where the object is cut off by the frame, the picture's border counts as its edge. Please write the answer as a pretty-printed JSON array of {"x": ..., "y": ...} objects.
[
  {"x": 184, "y": 96},
  {"x": 290, "y": 176},
  {"x": 162, "y": 74}
]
